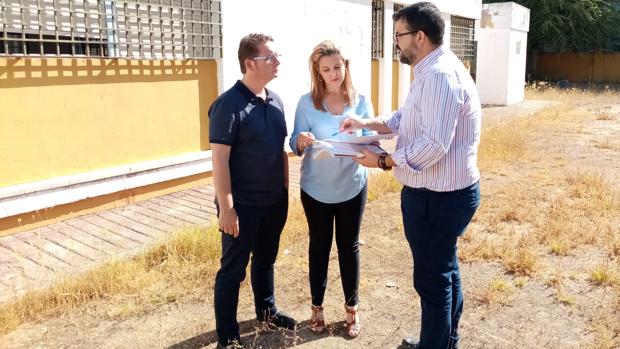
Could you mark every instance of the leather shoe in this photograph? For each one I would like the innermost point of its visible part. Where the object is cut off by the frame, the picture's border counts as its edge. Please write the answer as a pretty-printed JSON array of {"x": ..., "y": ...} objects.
[
  {"x": 232, "y": 344},
  {"x": 412, "y": 343},
  {"x": 409, "y": 343},
  {"x": 281, "y": 320}
]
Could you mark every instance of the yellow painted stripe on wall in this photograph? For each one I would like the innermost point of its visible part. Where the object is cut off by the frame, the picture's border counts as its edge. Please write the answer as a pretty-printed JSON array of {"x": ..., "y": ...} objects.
[
  {"x": 66, "y": 116},
  {"x": 374, "y": 85},
  {"x": 395, "y": 83}
]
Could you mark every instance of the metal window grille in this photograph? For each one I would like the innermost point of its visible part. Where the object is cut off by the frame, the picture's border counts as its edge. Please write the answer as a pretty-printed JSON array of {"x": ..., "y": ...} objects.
[
  {"x": 462, "y": 41},
  {"x": 395, "y": 51},
  {"x": 377, "y": 28},
  {"x": 144, "y": 29}
]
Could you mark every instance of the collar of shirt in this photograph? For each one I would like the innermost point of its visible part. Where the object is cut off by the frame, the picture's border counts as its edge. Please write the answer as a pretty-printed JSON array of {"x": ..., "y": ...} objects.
[
  {"x": 423, "y": 66},
  {"x": 249, "y": 95}
]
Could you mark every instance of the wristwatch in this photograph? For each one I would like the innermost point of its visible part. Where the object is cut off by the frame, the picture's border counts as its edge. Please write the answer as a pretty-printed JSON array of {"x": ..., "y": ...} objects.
[{"x": 383, "y": 163}]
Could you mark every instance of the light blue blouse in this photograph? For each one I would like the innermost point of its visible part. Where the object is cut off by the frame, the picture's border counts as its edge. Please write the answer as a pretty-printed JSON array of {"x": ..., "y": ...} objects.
[{"x": 332, "y": 180}]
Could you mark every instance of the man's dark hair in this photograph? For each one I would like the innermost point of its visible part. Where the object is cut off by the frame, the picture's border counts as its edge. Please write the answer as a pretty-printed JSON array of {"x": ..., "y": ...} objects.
[
  {"x": 248, "y": 47},
  {"x": 423, "y": 16}
]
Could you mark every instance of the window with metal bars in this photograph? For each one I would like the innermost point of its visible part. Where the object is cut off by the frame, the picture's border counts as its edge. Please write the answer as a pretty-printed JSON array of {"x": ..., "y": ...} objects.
[
  {"x": 377, "y": 28},
  {"x": 462, "y": 41},
  {"x": 395, "y": 51},
  {"x": 143, "y": 29}
]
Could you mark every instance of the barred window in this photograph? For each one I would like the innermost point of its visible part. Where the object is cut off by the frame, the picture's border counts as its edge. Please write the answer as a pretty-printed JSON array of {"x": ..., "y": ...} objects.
[
  {"x": 377, "y": 28},
  {"x": 395, "y": 52},
  {"x": 462, "y": 41},
  {"x": 146, "y": 29}
]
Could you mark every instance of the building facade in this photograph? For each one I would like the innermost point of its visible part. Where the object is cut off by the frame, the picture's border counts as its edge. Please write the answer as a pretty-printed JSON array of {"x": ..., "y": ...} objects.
[{"x": 105, "y": 101}]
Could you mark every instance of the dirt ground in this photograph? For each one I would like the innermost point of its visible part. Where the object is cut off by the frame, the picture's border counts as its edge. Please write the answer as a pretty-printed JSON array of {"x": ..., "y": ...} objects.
[{"x": 528, "y": 317}]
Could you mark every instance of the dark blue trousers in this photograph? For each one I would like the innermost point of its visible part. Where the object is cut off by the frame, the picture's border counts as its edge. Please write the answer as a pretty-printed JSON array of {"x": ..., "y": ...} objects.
[
  {"x": 433, "y": 221},
  {"x": 259, "y": 236}
]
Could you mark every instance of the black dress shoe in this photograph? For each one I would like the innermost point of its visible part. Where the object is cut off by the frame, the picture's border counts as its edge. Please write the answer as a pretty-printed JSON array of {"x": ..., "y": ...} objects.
[
  {"x": 409, "y": 343},
  {"x": 281, "y": 320},
  {"x": 232, "y": 344}
]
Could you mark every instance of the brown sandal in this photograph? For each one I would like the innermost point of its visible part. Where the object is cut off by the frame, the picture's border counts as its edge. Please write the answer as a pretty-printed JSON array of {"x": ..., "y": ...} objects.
[
  {"x": 354, "y": 327},
  {"x": 317, "y": 321}
]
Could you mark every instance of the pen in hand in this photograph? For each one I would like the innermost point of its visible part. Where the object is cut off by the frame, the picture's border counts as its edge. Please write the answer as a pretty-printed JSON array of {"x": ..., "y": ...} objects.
[{"x": 336, "y": 133}]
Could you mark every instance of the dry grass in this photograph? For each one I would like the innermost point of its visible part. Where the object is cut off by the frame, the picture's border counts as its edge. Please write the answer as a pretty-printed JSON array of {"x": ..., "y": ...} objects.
[
  {"x": 498, "y": 292},
  {"x": 605, "y": 275},
  {"x": 559, "y": 212},
  {"x": 606, "y": 327},
  {"x": 605, "y": 116},
  {"x": 382, "y": 183},
  {"x": 165, "y": 273}
]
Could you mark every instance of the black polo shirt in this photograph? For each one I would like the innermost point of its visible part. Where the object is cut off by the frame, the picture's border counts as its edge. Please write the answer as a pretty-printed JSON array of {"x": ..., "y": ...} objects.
[{"x": 255, "y": 129}]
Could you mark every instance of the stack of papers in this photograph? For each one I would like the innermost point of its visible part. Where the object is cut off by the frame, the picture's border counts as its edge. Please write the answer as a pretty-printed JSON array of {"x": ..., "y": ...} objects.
[{"x": 350, "y": 148}]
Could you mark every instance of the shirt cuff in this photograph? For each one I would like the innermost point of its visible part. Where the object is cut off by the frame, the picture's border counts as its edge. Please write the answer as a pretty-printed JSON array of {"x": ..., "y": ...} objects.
[{"x": 400, "y": 159}]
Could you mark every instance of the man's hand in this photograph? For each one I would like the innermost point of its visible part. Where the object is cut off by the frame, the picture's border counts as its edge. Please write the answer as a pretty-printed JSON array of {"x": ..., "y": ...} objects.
[
  {"x": 229, "y": 222},
  {"x": 369, "y": 159},
  {"x": 351, "y": 124}
]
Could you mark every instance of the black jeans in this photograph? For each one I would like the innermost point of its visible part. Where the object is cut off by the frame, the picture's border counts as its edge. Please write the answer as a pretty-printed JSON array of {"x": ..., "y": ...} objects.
[
  {"x": 348, "y": 218},
  {"x": 259, "y": 235},
  {"x": 433, "y": 222}
]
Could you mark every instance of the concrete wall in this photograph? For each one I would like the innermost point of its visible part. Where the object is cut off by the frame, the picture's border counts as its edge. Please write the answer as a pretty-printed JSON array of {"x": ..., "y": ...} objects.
[
  {"x": 581, "y": 67},
  {"x": 67, "y": 116}
]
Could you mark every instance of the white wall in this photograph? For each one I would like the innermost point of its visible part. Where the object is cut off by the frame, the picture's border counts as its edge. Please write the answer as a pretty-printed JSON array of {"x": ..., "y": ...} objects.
[
  {"x": 303, "y": 24},
  {"x": 299, "y": 27}
]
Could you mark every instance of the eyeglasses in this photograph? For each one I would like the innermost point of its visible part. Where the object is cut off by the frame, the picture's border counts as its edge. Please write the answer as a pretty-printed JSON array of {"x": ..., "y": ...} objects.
[
  {"x": 268, "y": 59},
  {"x": 397, "y": 35}
]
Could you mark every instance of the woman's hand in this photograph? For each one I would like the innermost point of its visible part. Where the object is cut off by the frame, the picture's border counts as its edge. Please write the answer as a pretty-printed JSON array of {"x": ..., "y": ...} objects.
[{"x": 304, "y": 140}]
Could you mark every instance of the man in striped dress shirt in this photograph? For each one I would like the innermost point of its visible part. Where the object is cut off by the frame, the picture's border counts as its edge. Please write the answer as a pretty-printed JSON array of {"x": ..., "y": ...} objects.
[{"x": 435, "y": 160}]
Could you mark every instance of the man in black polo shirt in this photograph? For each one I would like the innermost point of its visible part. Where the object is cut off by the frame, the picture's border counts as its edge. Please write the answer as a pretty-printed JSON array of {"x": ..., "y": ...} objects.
[{"x": 250, "y": 170}]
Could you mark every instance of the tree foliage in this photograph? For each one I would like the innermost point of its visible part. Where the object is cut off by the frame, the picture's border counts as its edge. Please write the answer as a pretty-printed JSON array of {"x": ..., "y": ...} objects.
[{"x": 572, "y": 25}]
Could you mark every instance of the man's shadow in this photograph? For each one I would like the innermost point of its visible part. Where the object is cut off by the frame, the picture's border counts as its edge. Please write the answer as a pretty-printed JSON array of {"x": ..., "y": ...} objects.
[{"x": 257, "y": 335}]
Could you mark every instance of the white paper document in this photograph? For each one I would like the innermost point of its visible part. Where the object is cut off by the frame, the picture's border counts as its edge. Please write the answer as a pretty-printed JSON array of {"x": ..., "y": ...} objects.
[
  {"x": 350, "y": 148},
  {"x": 367, "y": 139}
]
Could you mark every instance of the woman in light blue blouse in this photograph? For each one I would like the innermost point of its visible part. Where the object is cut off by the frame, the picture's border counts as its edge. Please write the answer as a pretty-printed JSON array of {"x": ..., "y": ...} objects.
[{"x": 333, "y": 189}]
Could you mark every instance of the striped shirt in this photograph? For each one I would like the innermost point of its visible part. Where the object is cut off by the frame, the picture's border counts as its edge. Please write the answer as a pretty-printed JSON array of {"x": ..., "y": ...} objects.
[{"x": 438, "y": 126}]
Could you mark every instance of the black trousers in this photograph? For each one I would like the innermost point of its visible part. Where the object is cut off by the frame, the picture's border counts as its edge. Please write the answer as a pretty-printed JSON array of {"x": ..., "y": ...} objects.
[
  {"x": 259, "y": 237},
  {"x": 321, "y": 217}
]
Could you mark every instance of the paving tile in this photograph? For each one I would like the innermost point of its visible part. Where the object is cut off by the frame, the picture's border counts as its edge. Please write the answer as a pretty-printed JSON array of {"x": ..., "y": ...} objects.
[
  {"x": 36, "y": 238},
  {"x": 74, "y": 245},
  {"x": 83, "y": 224},
  {"x": 176, "y": 204},
  {"x": 172, "y": 211},
  {"x": 117, "y": 229},
  {"x": 27, "y": 250},
  {"x": 137, "y": 214},
  {"x": 9, "y": 275},
  {"x": 196, "y": 202},
  {"x": 128, "y": 223},
  {"x": 93, "y": 241},
  {"x": 162, "y": 214},
  {"x": 18, "y": 267}
]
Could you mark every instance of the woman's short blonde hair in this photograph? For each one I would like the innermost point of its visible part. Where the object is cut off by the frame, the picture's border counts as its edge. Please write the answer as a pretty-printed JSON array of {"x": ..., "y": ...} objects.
[{"x": 317, "y": 85}]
